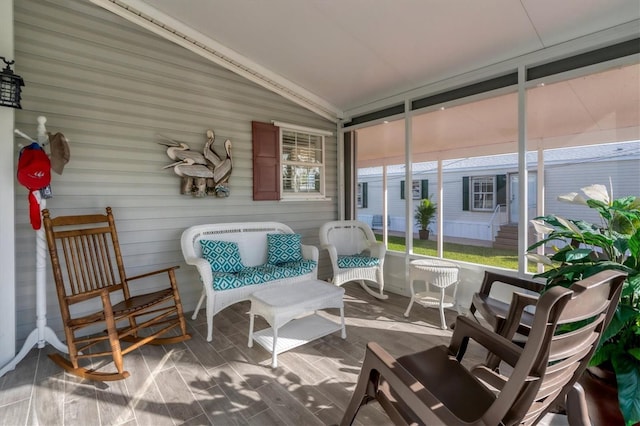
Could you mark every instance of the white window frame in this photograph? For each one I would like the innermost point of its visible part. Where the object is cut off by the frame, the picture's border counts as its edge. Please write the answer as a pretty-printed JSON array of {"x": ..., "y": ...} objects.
[
  {"x": 304, "y": 131},
  {"x": 473, "y": 192}
]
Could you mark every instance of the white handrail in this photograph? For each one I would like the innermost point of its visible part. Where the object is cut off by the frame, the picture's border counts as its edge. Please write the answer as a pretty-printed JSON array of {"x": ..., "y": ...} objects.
[{"x": 493, "y": 219}]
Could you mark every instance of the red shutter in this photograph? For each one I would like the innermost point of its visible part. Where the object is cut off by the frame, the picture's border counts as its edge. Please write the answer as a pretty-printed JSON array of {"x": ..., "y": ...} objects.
[{"x": 266, "y": 161}]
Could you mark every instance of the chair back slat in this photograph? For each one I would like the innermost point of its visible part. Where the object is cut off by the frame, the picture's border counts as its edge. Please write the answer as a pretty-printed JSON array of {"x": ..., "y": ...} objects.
[
  {"x": 595, "y": 301},
  {"x": 86, "y": 257}
]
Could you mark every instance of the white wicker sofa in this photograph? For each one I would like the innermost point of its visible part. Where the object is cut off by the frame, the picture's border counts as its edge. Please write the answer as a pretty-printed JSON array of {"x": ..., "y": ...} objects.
[{"x": 222, "y": 288}]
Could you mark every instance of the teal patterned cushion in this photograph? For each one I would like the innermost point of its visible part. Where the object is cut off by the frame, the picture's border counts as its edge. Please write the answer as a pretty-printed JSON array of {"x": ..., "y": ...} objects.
[
  {"x": 261, "y": 274},
  {"x": 357, "y": 261},
  {"x": 299, "y": 267},
  {"x": 226, "y": 281},
  {"x": 223, "y": 256},
  {"x": 284, "y": 248}
]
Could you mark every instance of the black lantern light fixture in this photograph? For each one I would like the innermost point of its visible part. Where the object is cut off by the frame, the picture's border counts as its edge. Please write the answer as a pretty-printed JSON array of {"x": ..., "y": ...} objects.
[{"x": 10, "y": 85}]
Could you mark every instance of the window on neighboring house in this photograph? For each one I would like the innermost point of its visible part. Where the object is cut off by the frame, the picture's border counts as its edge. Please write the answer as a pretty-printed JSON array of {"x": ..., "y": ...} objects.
[
  {"x": 419, "y": 189},
  {"x": 361, "y": 196},
  {"x": 483, "y": 193},
  {"x": 288, "y": 162},
  {"x": 302, "y": 156}
]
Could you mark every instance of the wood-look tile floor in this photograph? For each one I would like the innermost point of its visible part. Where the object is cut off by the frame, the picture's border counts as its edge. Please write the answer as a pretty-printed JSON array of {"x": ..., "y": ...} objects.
[{"x": 224, "y": 382}]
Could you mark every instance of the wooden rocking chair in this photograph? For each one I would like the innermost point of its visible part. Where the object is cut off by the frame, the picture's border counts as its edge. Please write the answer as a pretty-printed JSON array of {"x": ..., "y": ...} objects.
[{"x": 88, "y": 270}]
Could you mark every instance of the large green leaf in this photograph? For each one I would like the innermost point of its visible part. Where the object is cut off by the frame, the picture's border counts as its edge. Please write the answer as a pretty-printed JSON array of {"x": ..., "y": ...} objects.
[
  {"x": 624, "y": 315},
  {"x": 577, "y": 255},
  {"x": 569, "y": 272},
  {"x": 628, "y": 378},
  {"x": 631, "y": 289},
  {"x": 634, "y": 245},
  {"x": 586, "y": 249},
  {"x": 604, "y": 353}
]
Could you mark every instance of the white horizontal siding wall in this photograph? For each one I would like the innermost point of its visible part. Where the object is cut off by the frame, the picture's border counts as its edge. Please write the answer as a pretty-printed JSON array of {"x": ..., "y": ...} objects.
[
  {"x": 559, "y": 179},
  {"x": 457, "y": 223},
  {"x": 563, "y": 179},
  {"x": 111, "y": 88}
]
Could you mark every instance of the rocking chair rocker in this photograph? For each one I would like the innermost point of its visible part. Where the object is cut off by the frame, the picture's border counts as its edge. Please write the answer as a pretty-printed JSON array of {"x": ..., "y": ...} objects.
[{"x": 88, "y": 269}]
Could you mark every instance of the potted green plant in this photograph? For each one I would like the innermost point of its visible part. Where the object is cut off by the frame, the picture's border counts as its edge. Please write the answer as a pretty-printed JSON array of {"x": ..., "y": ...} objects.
[
  {"x": 424, "y": 214},
  {"x": 581, "y": 249}
]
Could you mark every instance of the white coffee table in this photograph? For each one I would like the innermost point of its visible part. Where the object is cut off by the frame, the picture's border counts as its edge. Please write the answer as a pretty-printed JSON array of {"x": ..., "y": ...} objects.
[{"x": 283, "y": 307}]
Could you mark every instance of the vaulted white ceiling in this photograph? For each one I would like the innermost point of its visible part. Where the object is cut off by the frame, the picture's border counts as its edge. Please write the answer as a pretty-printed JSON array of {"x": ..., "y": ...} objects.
[
  {"x": 341, "y": 58},
  {"x": 349, "y": 53}
]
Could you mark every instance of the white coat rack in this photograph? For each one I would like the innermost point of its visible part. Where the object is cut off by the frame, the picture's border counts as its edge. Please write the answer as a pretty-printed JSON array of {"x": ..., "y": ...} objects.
[{"x": 42, "y": 334}]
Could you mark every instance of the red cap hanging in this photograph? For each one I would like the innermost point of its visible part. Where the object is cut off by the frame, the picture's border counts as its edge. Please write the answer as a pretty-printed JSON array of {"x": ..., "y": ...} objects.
[{"x": 34, "y": 172}]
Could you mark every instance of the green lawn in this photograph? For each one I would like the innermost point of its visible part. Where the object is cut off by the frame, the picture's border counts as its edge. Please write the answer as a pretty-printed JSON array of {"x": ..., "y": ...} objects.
[{"x": 467, "y": 253}]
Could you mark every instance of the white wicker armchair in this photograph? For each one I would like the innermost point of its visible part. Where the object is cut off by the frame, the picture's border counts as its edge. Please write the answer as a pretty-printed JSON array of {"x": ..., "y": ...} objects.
[{"x": 355, "y": 254}]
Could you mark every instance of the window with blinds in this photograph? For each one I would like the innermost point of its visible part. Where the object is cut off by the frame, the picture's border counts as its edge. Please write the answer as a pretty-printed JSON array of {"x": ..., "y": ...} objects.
[{"x": 302, "y": 162}]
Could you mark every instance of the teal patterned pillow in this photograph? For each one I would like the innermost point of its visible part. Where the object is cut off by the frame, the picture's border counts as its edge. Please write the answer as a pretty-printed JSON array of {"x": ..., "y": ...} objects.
[
  {"x": 284, "y": 248},
  {"x": 223, "y": 256}
]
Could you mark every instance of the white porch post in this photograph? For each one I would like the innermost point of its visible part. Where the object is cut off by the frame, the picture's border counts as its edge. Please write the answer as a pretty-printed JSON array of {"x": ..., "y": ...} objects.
[
  {"x": 523, "y": 187},
  {"x": 408, "y": 177},
  {"x": 7, "y": 222},
  {"x": 385, "y": 207},
  {"x": 440, "y": 236}
]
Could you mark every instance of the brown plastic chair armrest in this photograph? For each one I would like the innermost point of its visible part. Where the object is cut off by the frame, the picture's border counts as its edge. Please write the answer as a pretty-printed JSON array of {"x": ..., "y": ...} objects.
[
  {"x": 493, "y": 310},
  {"x": 492, "y": 277},
  {"x": 513, "y": 320},
  {"x": 466, "y": 329}
]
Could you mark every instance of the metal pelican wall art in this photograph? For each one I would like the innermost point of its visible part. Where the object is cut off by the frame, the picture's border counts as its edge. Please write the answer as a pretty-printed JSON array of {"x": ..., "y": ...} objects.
[{"x": 202, "y": 174}]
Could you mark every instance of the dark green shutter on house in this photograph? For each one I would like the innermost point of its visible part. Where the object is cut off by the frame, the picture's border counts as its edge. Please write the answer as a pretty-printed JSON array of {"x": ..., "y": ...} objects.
[
  {"x": 465, "y": 193},
  {"x": 501, "y": 190},
  {"x": 402, "y": 190},
  {"x": 424, "y": 188},
  {"x": 364, "y": 194}
]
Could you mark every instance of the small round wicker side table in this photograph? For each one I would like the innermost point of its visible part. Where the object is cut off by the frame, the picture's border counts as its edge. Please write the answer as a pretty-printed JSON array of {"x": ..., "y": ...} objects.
[{"x": 435, "y": 273}]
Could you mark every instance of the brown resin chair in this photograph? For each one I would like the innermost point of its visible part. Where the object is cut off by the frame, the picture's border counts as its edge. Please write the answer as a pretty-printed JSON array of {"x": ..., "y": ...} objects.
[
  {"x": 433, "y": 386},
  {"x": 495, "y": 311},
  {"x": 89, "y": 271}
]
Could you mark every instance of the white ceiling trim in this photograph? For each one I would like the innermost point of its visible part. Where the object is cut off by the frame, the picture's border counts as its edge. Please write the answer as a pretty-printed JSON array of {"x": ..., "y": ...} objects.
[{"x": 167, "y": 27}]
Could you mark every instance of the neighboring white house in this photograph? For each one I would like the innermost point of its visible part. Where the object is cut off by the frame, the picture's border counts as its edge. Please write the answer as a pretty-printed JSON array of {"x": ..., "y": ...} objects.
[{"x": 481, "y": 193}]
